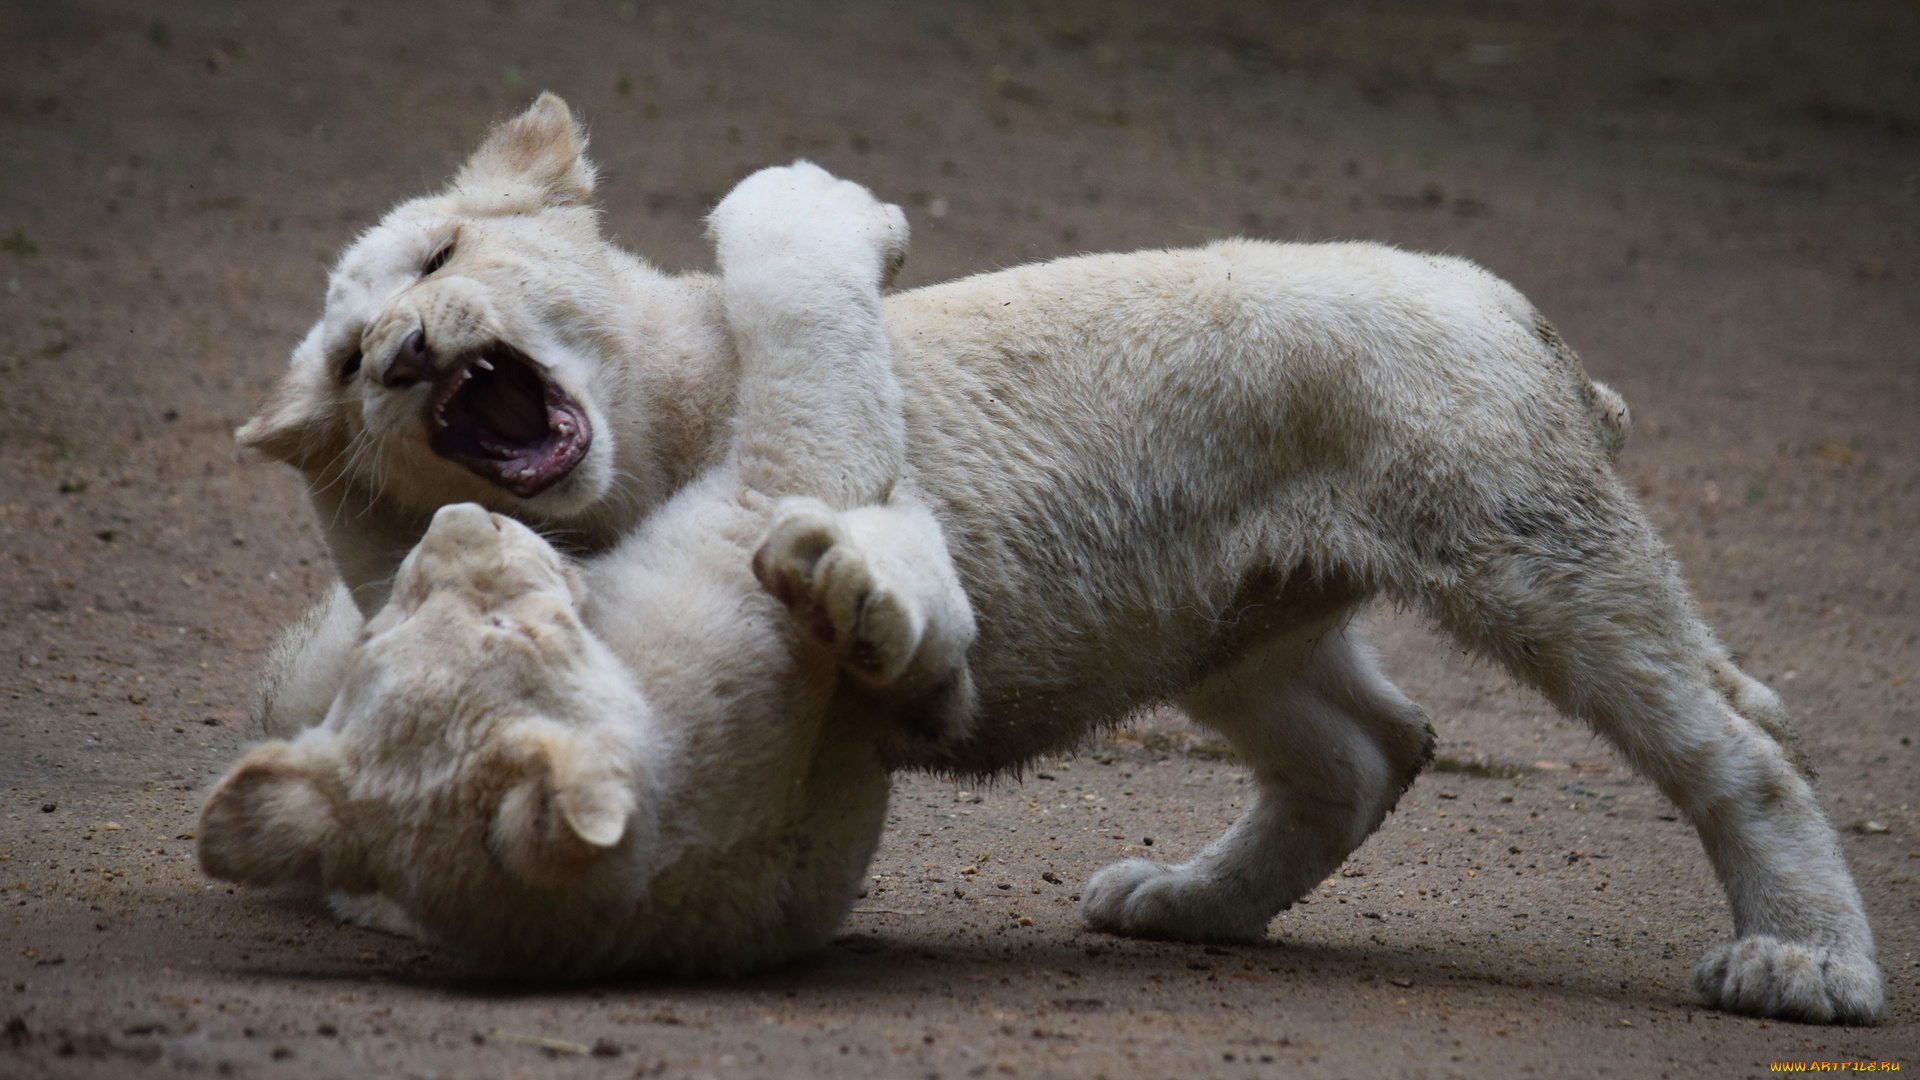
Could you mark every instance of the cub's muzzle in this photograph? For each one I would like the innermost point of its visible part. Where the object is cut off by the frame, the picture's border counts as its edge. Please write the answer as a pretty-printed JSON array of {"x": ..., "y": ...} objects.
[{"x": 498, "y": 412}]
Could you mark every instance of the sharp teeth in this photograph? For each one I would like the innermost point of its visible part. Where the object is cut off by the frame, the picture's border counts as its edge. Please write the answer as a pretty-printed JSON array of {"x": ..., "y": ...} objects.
[
  {"x": 496, "y": 450},
  {"x": 483, "y": 364}
]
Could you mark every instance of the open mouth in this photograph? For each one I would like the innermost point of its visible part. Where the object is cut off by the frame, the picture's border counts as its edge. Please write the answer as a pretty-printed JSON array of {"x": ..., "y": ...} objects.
[{"x": 500, "y": 414}]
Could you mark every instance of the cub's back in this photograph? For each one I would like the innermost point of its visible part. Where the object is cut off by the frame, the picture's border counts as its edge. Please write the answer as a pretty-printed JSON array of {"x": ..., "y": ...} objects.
[{"x": 1118, "y": 444}]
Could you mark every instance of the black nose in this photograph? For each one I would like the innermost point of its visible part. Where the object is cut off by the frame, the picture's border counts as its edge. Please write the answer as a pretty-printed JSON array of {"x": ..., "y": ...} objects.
[{"x": 412, "y": 364}]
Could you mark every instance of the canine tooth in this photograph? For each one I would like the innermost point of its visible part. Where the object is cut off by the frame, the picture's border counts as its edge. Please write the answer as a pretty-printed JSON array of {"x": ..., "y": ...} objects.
[
  {"x": 496, "y": 450},
  {"x": 483, "y": 364}
]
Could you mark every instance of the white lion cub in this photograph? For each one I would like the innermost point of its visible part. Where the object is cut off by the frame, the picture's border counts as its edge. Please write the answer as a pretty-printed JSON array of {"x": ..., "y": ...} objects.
[
  {"x": 644, "y": 761},
  {"x": 1162, "y": 476}
]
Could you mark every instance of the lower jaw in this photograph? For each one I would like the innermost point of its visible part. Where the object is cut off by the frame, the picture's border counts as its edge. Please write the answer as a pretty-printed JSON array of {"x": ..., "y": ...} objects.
[
  {"x": 556, "y": 495},
  {"x": 524, "y": 489},
  {"x": 495, "y": 472}
]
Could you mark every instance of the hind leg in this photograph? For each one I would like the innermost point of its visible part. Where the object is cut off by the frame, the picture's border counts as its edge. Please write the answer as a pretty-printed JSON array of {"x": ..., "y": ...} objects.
[
  {"x": 1592, "y": 612},
  {"x": 1332, "y": 745}
]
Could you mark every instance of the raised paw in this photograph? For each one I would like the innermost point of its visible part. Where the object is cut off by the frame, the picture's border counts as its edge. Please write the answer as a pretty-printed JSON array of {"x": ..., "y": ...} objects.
[
  {"x": 1816, "y": 984},
  {"x": 1146, "y": 899},
  {"x": 811, "y": 563},
  {"x": 801, "y": 210}
]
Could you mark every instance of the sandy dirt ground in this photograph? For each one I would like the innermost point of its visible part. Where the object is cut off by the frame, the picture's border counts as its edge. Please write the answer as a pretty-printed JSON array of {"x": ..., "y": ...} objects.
[{"x": 1719, "y": 205}]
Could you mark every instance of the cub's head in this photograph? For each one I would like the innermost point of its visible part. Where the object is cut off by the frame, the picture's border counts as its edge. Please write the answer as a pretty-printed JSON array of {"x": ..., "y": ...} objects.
[
  {"x": 460, "y": 357},
  {"x": 480, "y": 755}
]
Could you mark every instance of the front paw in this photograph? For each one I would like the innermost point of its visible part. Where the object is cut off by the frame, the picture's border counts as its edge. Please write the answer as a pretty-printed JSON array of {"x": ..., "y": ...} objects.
[
  {"x": 1146, "y": 899},
  {"x": 1816, "y": 984},
  {"x": 375, "y": 912},
  {"x": 801, "y": 211},
  {"x": 810, "y": 562}
]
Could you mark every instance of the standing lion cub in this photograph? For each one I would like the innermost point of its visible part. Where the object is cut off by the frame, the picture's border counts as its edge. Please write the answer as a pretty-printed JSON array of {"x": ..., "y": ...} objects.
[{"x": 1083, "y": 487}]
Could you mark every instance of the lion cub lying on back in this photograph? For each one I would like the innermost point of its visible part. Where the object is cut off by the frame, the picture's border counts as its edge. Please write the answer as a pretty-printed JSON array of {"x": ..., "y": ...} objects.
[{"x": 1159, "y": 476}]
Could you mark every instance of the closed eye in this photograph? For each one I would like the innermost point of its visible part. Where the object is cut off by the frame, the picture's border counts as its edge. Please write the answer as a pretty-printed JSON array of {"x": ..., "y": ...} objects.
[{"x": 438, "y": 259}]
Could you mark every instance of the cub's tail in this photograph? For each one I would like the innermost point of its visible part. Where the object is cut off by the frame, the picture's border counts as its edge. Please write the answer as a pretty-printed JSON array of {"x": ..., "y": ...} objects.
[
  {"x": 1616, "y": 420},
  {"x": 1612, "y": 419}
]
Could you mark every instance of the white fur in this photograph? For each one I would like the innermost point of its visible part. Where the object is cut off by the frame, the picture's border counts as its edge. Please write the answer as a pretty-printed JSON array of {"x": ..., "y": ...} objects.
[
  {"x": 1164, "y": 475},
  {"x": 795, "y": 294}
]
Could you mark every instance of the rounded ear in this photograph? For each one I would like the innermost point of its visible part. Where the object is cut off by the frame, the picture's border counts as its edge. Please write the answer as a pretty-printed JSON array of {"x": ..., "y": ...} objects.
[
  {"x": 270, "y": 822},
  {"x": 539, "y": 156},
  {"x": 567, "y": 810},
  {"x": 295, "y": 425}
]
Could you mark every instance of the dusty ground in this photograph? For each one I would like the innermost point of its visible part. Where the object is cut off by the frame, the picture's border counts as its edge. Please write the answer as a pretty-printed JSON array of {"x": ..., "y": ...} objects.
[{"x": 1720, "y": 208}]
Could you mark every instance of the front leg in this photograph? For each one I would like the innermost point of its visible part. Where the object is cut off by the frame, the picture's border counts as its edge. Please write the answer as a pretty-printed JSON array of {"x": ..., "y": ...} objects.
[
  {"x": 803, "y": 257},
  {"x": 1331, "y": 744},
  {"x": 878, "y": 588},
  {"x": 306, "y": 665},
  {"x": 822, "y": 426}
]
